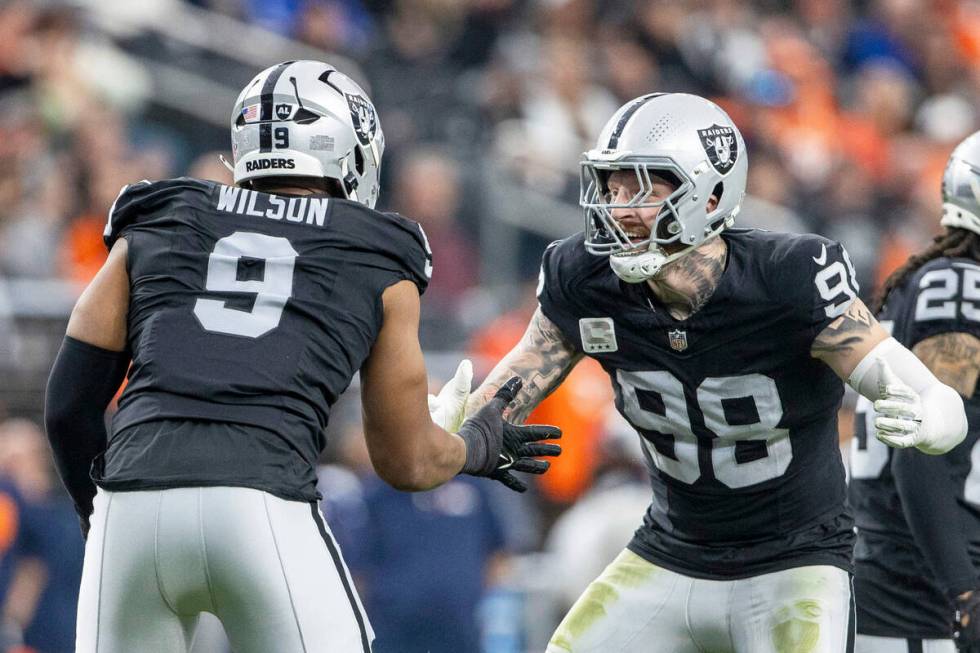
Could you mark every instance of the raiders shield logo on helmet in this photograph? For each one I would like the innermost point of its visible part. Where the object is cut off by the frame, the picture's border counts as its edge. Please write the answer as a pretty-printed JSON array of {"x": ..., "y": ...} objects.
[
  {"x": 678, "y": 339},
  {"x": 363, "y": 117},
  {"x": 720, "y": 145},
  {"x": 283, "y": 111}
]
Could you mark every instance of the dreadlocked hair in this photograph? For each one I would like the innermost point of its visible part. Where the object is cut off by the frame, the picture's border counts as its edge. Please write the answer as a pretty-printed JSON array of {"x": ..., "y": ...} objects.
[{"x": 953, "y": 243}]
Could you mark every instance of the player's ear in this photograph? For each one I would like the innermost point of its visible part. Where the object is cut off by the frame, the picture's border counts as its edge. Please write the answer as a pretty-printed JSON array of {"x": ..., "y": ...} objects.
[{"x": 712, "y": 204}]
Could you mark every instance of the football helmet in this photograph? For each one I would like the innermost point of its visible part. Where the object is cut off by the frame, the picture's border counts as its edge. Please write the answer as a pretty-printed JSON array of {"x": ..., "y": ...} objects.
[
  {"x": 679, "y": 136},
  {"x": 307, "y": 119},
  {"x": 961, "y": 186}
]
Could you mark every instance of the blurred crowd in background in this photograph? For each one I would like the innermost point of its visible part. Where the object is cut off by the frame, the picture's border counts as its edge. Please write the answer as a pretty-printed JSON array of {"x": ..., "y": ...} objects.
[{"x": 849, "y": 110}]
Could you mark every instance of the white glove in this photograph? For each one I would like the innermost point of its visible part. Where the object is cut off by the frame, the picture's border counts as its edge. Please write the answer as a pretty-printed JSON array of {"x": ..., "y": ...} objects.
[
  {"x": 898, "y": 422},
  {"x": 448, "y": 408}
]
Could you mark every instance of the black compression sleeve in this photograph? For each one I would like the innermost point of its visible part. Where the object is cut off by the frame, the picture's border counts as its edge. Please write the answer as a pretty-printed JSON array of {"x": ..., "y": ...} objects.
[
  {"x": 83, "y": 380},
  {"x": 928, "y": 493}
]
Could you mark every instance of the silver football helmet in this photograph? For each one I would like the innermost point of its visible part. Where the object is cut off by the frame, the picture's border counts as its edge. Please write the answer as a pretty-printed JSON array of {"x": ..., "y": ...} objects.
[
  {"x": 961, "y": 186},
  {"x": 306, "y": 119},
  {"x": 675, "y": 135}
]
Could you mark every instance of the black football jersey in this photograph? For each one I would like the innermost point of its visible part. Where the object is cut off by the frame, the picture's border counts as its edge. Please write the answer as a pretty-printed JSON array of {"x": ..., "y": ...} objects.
[
  {"x": 896, "y": 589},
  {"x": 249, "y": 315},
  {"x": 738, "y": 421}
]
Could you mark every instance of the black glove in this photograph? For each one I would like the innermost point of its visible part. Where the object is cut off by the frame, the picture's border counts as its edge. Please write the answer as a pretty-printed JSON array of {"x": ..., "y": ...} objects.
[
  {"x": 966, "y": 623},
  {"x": 495, "y": 447}
]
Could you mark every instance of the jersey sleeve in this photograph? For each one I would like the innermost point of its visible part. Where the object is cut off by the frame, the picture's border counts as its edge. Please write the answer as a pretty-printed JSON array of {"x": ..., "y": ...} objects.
[
  {"x": 555, "y": 281},
  {"x": 125, "y": 211},
  {"x": 550, "y": 293},
  {"x": 407, "y": 245},
  {"x": 945, "y": 298},
  {"x": 815, "y": 279},
  {"x": 152, "y": 203}
]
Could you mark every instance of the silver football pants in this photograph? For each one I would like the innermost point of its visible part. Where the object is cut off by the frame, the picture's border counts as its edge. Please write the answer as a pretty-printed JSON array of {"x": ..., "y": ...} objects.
[
  {"x": 268, "y": 568},
  {"x": 637, "y": 607}
]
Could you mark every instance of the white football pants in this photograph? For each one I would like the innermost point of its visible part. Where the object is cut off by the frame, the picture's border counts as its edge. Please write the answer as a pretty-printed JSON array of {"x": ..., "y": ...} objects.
[
  {"x": 871, "y": 644},
  {"x": 637, "y": 607},
  {"x": 268, "y": 568}
]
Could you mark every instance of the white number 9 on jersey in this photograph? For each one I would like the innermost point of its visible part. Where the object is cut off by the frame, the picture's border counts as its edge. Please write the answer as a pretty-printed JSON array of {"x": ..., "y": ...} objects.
[
  {"x": 271, "y": 292},
  {"x": 836, "y": 284}
]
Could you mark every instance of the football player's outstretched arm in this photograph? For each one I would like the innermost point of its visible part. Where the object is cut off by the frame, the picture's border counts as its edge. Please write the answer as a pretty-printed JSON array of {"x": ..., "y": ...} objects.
[
  {"x": 86, "y": 374},
  {"x": 915, "y": 409},
  {"x": 542, "y": 360},
  {"x": 407, "y": 449},
  {"x": 411, "y": 452}
]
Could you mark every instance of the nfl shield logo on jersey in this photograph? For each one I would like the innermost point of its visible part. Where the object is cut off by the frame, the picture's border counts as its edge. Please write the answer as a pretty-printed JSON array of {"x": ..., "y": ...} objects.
[
  {"x": 678, "y": 339},
  {"x": 720, "y": 145}
]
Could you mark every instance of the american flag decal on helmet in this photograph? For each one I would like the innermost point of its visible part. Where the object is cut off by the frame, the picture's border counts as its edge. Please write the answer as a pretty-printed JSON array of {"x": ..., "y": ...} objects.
[{"x": 250, "y": 113}]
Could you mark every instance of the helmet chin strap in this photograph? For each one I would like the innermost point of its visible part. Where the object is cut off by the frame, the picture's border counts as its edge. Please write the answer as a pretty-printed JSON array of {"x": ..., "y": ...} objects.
[
  {"x": 231, "y": 168},
  {"x": 638, "y": 268},
  {"x": 641, "y": 267}
]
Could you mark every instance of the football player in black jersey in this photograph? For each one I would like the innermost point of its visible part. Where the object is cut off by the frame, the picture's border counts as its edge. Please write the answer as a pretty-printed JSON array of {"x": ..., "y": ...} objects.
[
  {"x": 917, "y": 559},
  {"x": 242, "y": 313},
  {"x": 726, "y": 349}
]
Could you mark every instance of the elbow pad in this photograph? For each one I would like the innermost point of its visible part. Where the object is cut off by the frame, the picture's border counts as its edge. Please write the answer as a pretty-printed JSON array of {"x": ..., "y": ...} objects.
[
  {"x": 939, "y": 408},
  {"x": 906, "y": 366}
]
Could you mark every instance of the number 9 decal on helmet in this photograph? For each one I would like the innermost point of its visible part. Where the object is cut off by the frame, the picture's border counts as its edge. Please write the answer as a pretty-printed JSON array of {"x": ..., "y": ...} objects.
[{"x": 307, "y": 119}]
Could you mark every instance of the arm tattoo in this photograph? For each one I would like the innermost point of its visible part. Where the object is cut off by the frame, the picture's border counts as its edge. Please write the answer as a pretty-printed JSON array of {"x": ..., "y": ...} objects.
[
  {"x": 543, "y": 358},
  {"x": 954, "y": 358},
  {"x": 844, "y": 333}
]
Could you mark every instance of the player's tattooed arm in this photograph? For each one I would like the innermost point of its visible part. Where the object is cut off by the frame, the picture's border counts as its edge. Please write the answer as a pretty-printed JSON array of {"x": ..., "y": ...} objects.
[
  {"x": 846, "y": 332},
  {"x": 543, "y": 358},
  {"x": 954, "y": 358},
  {"x": 848, "y": 339}
]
